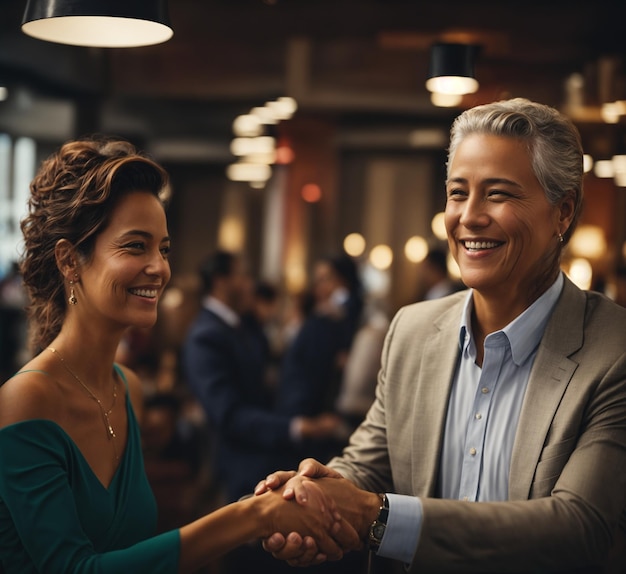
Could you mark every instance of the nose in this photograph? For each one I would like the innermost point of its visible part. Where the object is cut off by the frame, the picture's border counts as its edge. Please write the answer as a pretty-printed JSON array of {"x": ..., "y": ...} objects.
[
  {"x": 159, "y": 266},
  {"x": 474, "y": 212}
]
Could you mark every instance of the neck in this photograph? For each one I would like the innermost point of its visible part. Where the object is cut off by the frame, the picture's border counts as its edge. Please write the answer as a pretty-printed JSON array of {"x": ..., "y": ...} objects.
[
  {"x": 494, "y": 310},
  {"x": 89, "y": 357}
]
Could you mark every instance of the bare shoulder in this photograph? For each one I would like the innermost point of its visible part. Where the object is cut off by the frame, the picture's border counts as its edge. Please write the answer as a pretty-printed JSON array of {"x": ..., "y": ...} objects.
[
  {"x": 30, "y": 394},
  {"x": 135, "y": 390}
]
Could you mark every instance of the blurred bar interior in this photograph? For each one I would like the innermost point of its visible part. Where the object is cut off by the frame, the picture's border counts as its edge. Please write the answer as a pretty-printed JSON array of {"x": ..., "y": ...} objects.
[{"x": 293, "y": 128}]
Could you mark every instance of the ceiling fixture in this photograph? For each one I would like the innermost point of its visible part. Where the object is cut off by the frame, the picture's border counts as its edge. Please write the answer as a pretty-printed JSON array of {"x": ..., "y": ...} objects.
[
  {"x": 451, "y": 69},
  {"x": 98, "y": 23}
]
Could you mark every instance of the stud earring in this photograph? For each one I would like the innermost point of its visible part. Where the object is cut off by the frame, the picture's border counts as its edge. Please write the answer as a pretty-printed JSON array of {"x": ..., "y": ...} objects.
[
  {"x": 72, "y": 298},
  {"x": 560, "y": 238}
]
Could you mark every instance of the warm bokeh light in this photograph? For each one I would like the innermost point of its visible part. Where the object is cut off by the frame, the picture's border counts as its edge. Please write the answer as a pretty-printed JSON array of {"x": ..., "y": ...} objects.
[
  {"x": 453, "y": 267},
  {"x": 283, "y": 108},
  {"x": 260, "y": 158},
  {"x": 438, "y": 226},
  {"x": 295, "y": 277},
  {"x": 255, "y": 145},
  {"x": 354, "y": 244},
  {"x": 416, "y": 249},
  {"x": 588, "y": 241},
  {"x": 248, "y": 172},
  {"x": 619, "y": 166},
  {"x": 587, "y": 163},
  {"x": 247, "y": 125},
  {"x": 265, "y": 115},
  {"x": 173, "y": 298},
  {"x": 445, "y": 100},
  {"x": 311, "y": 192},
  {"x": 284, "y": 155},
  {"x": 231, "y": 234},
  {"x": 381, "y": 256},
  {"x": 604, "y": 168},
  {"x": 610, "y": 112},
  {"x": 581, "y": 273}
]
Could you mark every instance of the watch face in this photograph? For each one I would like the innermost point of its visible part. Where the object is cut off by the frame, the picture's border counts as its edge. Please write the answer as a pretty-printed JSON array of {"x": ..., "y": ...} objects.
[{"x": 378, "y": 531}]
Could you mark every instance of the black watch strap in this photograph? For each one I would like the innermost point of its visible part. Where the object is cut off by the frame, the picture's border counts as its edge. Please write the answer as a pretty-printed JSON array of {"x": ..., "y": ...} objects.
[{"x": 377, "y": 528}]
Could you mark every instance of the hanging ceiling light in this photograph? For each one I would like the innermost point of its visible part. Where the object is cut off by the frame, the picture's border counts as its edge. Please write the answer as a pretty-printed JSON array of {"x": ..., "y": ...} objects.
[
  {"x": 451, "y": 69},
  {"x": 98, "y": 23}
]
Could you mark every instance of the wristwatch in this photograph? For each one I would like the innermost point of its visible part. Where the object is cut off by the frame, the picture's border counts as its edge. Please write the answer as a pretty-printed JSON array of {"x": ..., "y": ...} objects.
[{"x": 377, "y": 528}]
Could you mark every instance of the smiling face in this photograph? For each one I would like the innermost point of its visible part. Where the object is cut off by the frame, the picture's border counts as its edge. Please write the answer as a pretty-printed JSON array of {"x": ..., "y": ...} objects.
[
  {"x": 129, "y": 268},
  {"x": 502, "y": 230}
]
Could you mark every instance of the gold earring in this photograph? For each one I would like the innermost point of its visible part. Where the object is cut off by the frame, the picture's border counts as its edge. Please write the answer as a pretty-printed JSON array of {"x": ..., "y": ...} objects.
[
  {"x": 72, "y": 298},
  {"x": 560, "y": 238}
]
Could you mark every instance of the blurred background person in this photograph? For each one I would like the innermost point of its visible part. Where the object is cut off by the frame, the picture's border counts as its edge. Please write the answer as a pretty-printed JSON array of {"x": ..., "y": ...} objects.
[
  {"x": 260, "y": 321},
  {"x": 435, "y": 276},
  {"x": 312, "y": 366},
  {"x": 225, "y": 371},
  {"x": 360, "y": 373}
]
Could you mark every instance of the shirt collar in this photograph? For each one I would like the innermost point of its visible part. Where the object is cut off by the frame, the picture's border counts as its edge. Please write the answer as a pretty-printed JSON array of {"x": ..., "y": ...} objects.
[
  {"x": 526, "y": 330},
  {"x": 222, "y": 310}
]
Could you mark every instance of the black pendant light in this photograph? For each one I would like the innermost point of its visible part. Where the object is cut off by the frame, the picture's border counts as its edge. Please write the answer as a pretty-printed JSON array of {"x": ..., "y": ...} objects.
[
  {"x": 98, "y": 23},
  {"x": 451, "y": 69}
]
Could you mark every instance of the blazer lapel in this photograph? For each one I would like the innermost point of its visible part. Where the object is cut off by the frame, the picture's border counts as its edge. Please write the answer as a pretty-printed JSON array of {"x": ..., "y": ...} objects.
[
  {"x": 438, "y": 364},
  {"x": 548, "y": 380}
]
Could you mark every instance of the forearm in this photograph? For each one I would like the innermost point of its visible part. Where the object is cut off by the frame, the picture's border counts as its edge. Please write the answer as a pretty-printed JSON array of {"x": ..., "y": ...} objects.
[
  {"x": 545, "y": 534},
  {"x": 259, "y": 517},
  {"x": 215, "y": 534}
]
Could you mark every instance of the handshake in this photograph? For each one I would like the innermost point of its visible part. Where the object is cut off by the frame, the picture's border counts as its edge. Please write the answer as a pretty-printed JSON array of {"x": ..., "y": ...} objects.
[{"x": 314, "y": 514}]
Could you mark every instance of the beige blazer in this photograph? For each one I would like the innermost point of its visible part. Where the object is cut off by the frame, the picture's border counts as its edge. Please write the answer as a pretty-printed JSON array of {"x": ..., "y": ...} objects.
[{"x": 567, "y": 485}]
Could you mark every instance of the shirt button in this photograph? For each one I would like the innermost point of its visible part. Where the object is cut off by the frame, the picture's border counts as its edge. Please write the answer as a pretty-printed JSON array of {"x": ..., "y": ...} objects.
[
  {"x": 484, "y": 390},
  {"x": 472, "y": 451},
  {"x": 478, "y": 416}
]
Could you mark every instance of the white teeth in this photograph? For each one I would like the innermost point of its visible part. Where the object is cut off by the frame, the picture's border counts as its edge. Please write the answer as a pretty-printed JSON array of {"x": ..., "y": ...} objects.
[
  {"x": 144, "y": 292},
  {"x": 480, "y": 244}
]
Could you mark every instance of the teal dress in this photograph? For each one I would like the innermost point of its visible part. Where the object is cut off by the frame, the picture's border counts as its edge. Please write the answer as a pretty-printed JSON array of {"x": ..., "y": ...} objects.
[{"x": 57, "y": 517}]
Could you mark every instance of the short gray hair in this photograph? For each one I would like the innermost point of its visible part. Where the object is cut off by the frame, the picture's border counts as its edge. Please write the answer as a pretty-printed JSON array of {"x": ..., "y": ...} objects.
[{"x": 552, "y": 140}]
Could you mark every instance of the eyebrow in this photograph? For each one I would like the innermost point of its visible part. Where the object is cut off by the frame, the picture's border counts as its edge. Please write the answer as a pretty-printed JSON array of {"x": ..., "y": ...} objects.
[
  {"x": 143, "y": 234},
  {"x": 488, "y": 181}
]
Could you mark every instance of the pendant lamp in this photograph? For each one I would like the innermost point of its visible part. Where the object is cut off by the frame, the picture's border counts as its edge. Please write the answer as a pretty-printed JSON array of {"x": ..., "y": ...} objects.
[
  {"x": 451, "y": 69},
  {"x": 98, "y": 23}
]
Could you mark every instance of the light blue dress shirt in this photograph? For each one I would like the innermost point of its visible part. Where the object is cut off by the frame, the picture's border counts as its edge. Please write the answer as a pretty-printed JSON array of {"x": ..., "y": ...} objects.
[{"x": 482, "y": 419}]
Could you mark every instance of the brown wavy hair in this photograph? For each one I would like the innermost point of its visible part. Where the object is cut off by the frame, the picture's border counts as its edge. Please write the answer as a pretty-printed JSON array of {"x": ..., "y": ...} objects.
[{"x": 72, "y": 197}]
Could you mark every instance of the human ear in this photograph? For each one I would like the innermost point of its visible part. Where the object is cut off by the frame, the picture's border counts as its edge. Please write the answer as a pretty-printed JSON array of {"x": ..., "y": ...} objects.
[
  {"x": 66, "y": 260},
  {"x": 567, "y": 209}
]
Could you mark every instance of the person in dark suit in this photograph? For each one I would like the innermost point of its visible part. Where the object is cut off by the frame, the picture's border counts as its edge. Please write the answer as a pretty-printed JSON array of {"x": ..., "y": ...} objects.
[
  {"x": 312, "y": 365},
  {"x": 225, "y": 373},
  {"x": 224, "y": 370}
]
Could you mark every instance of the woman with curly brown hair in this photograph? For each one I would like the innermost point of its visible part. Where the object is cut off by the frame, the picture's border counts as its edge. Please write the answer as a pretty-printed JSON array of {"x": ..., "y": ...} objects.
[{"x": 73, "y": 492}]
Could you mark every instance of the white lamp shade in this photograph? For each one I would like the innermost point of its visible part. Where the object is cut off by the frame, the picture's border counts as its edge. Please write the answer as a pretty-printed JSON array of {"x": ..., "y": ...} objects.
[{"x": 98, "y": 23}]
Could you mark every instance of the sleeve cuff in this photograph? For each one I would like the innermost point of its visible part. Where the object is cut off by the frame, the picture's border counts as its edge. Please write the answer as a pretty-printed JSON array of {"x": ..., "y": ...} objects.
[{"x": 404, "y": 525}]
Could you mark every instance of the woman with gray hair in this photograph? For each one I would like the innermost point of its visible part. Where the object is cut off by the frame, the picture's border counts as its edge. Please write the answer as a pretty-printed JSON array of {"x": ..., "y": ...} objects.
[{"x": 497, "y": 440}]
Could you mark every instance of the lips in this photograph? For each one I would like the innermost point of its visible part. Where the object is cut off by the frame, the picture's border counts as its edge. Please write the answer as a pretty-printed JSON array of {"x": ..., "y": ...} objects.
[
  {"x": 147, "y": 293},
  {"x": 480, "y": 245}
]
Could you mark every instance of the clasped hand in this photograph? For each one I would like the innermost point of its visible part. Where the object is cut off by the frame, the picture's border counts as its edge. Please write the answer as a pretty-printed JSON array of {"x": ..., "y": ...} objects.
[{"x": 349, "y": 506}]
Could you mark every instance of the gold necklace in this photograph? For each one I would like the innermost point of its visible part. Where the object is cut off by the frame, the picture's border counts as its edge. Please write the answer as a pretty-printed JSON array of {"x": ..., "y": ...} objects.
[{"x": 105, "y": 414}]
